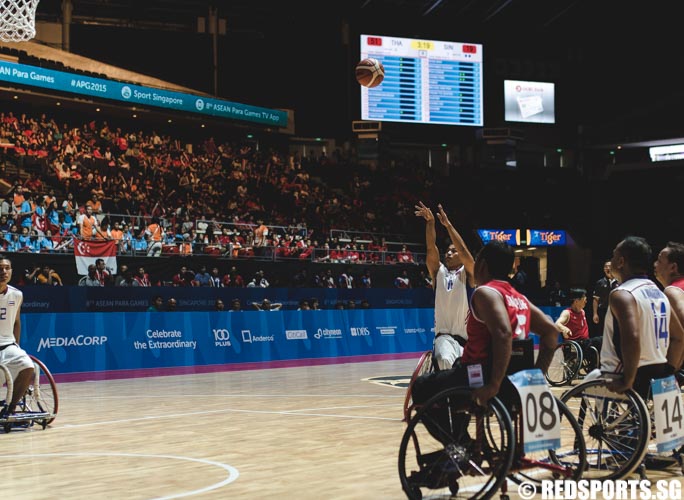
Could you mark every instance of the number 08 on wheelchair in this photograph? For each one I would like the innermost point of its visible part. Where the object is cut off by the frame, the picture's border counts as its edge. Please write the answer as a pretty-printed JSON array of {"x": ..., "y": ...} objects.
[{"x": 454, "y": 447}]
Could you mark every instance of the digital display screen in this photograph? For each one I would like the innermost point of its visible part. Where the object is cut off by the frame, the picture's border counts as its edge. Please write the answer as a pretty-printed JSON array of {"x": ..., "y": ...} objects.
[
  {"x": 539, "y": 237},
  {"x": 529, "y": 102},
  {"x": 666, "y": 153},
  {"x": 426, "y": 81},
  {"x": 510, "y": 236}
]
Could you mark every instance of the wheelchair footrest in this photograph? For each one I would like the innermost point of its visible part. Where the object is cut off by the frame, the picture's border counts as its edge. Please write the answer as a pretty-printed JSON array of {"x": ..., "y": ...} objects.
[{"x": 25, "y": 417}]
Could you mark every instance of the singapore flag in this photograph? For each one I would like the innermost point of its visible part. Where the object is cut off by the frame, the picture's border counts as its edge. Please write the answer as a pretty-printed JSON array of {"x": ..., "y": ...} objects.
[{"x": 87, "y": 252}]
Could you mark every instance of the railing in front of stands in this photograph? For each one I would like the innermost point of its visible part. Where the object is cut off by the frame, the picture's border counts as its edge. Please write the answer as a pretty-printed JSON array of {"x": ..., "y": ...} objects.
[
  {"x": 201, "y": 226},
  {"x": 366, "y": 237},
  {"x": 235, "y": 240},
  {"x": 270, "y": 253}
]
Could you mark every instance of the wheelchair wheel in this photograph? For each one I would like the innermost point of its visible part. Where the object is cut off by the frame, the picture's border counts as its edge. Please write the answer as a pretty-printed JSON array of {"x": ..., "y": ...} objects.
[
  {"x": 568, "y": 461},
  {"x": 452, "y": 446},
  {"x": 6, "y": 384},
  {"x": 42, "y": 397},
  {"x": 616, "y": 428},
  {"x": 423, "y": 366},
  {"x": 566, "y": 362},
  {"x": 590, "y": 360}
]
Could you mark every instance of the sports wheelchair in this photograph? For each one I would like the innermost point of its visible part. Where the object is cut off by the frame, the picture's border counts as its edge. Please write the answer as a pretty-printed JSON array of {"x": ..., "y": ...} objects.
[
  {"x": 40, "y": 403},
  {"x": 452, "y": 446},
  {"x": 424, "y": 365},
  {"x": 619, "y": 431},
  {"x": 572, "y": 359}
]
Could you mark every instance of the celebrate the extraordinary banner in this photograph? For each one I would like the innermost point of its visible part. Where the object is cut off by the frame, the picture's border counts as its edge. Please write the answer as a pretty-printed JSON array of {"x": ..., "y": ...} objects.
[{"x": 96, "y": 342}]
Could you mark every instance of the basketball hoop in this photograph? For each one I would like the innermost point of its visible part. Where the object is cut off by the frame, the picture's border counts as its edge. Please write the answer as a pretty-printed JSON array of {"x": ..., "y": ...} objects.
[{"x": 17, "y": 20}]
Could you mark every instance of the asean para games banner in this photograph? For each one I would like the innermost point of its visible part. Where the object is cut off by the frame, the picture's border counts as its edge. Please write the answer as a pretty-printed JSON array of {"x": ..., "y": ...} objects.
[{"x": 138, "y": 95}]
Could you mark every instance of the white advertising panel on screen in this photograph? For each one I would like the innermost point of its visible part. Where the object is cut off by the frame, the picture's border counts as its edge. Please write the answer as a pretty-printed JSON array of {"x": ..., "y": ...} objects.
[
  {"x": 667, "y": 153},
  {"x": 426, "y": 81},
  {"x": 531, "y": 102}
]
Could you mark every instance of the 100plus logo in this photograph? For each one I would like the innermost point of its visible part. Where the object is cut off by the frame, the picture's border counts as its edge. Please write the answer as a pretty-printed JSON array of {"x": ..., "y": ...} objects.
[{"x": 221, "y": 337}]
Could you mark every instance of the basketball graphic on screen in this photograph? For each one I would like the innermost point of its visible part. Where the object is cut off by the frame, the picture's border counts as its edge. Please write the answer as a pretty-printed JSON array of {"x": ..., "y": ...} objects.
[{"x": 370, "y": 72}]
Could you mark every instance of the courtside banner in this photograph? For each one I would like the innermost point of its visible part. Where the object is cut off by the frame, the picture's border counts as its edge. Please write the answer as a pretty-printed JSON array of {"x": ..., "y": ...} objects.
[
  {"x": 93, "y": 342},
  {"x": 46, "y": 299},
  {"x": 87, "y": 252}
]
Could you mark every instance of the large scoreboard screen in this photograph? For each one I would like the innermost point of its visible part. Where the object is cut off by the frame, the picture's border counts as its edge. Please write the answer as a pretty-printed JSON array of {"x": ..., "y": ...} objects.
[{"x": 426, "y": 81}]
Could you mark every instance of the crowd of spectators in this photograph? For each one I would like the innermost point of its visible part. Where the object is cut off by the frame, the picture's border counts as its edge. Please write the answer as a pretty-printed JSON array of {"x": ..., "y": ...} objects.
[{"x": 156, "y": 194}]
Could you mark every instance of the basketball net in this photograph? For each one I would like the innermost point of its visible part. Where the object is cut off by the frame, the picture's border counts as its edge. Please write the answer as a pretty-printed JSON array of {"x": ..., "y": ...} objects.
[{"x": 17, "y": 20}]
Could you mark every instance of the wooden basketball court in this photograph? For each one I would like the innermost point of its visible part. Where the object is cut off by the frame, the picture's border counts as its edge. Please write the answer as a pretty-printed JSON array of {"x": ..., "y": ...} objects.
[{"x": 319, "y": 432}]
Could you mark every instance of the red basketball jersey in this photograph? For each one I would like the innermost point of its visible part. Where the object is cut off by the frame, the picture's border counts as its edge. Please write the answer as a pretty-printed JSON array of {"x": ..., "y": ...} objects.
[
  {"x": 577, "y": 323},
  {"x": 477, "y": 348},
  {"x": 678, "y": 283}
]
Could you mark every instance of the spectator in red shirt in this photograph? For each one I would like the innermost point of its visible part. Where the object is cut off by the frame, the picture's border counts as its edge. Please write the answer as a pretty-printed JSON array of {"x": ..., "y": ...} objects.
[{"x": 405, "y": 256}]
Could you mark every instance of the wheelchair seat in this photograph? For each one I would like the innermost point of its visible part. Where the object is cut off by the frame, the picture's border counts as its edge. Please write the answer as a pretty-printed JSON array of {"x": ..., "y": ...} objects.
[{"x": 522, "y": 358}]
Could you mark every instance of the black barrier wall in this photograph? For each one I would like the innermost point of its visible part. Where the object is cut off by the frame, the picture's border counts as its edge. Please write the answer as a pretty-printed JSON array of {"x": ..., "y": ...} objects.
[
  {"x": 162, "y": 269},
  {"x": 46, "y": 299}
]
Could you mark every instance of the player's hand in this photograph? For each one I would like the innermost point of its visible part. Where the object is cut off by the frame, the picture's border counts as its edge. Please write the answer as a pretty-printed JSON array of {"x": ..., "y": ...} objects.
[
  {"x": 424, "y": 212},
  {"x": 619, "y": 386},
  {"x": 482, "y": 395},
  {"x": 442, "y": 216}
]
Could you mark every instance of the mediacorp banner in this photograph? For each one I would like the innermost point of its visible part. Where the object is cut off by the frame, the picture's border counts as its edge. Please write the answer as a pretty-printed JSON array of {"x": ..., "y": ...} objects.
[
  {"x": 138, "y": 95},
  {"x": 95, "y": 342}
]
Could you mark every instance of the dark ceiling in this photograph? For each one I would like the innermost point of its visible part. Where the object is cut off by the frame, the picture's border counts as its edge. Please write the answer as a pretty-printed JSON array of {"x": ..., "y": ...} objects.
[
  {"x": 615, "y": 63},
  {"x": 551, "y": 19}
]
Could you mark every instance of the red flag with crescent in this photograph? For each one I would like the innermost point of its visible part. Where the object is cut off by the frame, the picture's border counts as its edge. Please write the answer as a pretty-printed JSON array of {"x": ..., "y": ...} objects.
[{"x": 87, "y": 252}]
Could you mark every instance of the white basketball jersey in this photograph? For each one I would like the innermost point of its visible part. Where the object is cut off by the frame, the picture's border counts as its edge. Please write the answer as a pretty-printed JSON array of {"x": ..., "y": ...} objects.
[
  {"x": 451, "y": 301},
  {"x": 653, "y": 325},
  {"x": 10, "y": 303}
]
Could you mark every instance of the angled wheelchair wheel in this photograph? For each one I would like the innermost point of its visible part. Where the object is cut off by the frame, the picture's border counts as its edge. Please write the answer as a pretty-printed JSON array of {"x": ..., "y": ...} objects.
[
  {"x": 565, "y": 365},
  {"x": 6, "y": 389},
  {"x": 423, "y": 366},
  {"x": 590, "y": 360},
  {"x": 452, "y": 446},
  {"x": 6, "y": 386},
  {"x": 41, "y": 395},
  {"x": 616, "y": 428},
  {"x": 567, "y": 461}
]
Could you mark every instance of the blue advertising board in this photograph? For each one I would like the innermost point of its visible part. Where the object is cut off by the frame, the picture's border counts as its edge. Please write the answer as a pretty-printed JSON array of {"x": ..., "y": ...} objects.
[
  {"x": 138, "y": 95},
  {"x": 509, "y": 236},
  {"x": 84, "y": 343},
  {"x": 545, "y": 237},
  {"x": 45, "y": 299},
  {"x": 95, "y": 342}
]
